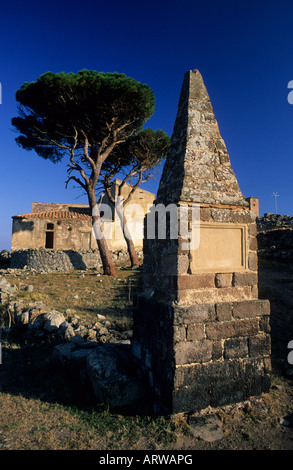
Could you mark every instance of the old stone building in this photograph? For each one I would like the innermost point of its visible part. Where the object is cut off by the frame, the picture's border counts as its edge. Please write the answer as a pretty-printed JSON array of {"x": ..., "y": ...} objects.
[{"x": 57, "y": 226}]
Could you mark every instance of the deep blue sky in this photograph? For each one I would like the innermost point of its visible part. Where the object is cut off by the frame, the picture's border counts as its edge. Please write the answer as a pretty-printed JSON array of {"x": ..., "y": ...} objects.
[{"x": 243, "y": 50}]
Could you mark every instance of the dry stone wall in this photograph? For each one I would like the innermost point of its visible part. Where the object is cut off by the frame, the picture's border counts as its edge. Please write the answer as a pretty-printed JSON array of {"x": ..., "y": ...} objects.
[
  {"x": 61, "y": 260},
  {"x": 273, "y": 222},
  {"x": 54, "y": 260},
  {"x": 275, "y": 236}
]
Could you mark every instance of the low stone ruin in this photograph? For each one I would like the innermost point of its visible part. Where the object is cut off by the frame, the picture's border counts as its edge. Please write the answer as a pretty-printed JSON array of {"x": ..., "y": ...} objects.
[
  {"x": 271, "y": 221},
  {"x": 44, "y": 324},
  {"x": 275, "y": 236},
  {"x": 45, "y": 260},
  {"x": 96, "y": 352}
]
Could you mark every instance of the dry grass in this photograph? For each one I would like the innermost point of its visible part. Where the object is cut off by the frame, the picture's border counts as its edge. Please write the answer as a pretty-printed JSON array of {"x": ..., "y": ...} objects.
[
  {"x": 32, "y": 424},
  {"x": 43, "y": 408},
  {"x": 86, "y": 293}
]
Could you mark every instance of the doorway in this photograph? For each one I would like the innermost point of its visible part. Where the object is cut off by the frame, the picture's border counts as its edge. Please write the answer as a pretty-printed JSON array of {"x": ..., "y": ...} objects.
[{"x": 49, "y": 242}]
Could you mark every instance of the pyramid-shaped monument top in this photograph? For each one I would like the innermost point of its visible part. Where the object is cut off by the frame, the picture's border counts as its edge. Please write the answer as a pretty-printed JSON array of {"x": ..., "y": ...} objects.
[{"x": 198, "y": 168}]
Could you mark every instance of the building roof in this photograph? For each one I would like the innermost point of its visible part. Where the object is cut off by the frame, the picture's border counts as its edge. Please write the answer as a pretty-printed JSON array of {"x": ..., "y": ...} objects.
[{"x": 57, "y": 215}]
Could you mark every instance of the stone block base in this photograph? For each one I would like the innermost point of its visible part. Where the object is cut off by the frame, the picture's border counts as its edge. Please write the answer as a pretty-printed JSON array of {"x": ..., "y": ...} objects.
[{"x": 202, "y": 355}]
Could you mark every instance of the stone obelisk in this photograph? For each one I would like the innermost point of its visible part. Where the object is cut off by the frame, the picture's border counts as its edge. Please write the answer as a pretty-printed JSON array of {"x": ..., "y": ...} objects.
[{"x": 201, "y": 335}]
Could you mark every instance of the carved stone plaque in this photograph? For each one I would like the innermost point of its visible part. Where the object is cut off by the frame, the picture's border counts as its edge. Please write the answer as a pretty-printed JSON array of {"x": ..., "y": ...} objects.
[{"x": 222, "y": 247}]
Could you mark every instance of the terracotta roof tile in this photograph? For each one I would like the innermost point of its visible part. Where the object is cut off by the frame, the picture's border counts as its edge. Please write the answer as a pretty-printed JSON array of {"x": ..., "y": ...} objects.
[{"x": 67, "y": 215}]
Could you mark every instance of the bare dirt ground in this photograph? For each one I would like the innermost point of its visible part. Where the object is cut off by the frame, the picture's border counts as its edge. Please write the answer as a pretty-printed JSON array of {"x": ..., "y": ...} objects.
[{"x": 42, "y": 408}]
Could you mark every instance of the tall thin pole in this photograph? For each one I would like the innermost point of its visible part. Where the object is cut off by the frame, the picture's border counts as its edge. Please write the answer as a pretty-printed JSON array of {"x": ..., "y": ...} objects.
[{"x": 275, "y": 195}]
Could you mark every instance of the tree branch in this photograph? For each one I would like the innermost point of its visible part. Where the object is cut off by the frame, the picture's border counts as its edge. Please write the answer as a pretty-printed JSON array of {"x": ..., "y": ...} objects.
[
  {"x": 133, "y": 189},
  {"x": 86, "y": 150},
  {"x": 115, "y": 140},
  {"x": 50, "y": 140},
  {"x": 77, "y": 180},
  {"x": 107, "y": 187}
]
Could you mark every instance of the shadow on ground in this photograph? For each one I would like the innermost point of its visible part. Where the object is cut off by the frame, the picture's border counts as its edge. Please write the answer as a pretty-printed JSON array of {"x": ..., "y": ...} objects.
[{"x": 32, "y": 372}]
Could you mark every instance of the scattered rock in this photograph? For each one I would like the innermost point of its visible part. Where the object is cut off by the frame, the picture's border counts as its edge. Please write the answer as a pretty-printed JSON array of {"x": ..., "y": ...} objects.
[
  {"x": 103, "y": 334},
  {"x": 24, "y": 317},
  {"x": 101, "y": 317},
  {"x": 74, "y": 320},
  {"x": 4, "y": 284},
  {"x": 66, "y": 331},
  {"x": 91, "y": 335},
  {"x": 70, "y": 311},
  {"x": 36, "y": 309},
  {"x": 53, "y": 320},
  {"x": 7, "y": 291},
  {"x": 29, "y": 288},
  {"x": 127, "y": 334},
  {"x": 81, "y": 330},
  {"x": 41, "y": 321}
]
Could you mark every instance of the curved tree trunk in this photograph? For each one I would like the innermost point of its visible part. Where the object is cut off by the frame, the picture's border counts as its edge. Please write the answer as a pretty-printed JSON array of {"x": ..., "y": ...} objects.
[
  {"x": 129, "y": 242},
  {"x": 119, "y": 209},
  {"x": 108, "y": 265}
]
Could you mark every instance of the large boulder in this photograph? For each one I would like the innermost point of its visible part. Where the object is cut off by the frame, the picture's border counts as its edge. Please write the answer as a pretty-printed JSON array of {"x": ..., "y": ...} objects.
[
  {"x": 53, "y": 320},
  {"x": 112, "y": 373},
  {"x": 6, "y": 290},
  {"x": 4, "y": 284}
]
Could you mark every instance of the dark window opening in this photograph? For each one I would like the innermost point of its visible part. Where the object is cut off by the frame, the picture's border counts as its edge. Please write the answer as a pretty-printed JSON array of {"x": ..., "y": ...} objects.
[
  {"x": 50, "y": 226},
  {"x": 49, "y": 240}
]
